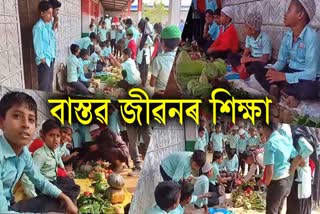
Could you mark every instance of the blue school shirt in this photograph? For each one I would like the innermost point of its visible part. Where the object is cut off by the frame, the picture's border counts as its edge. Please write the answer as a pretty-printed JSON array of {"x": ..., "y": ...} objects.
[
  {"x": 277, "y": 152},
  {"x": 242, "y": 145},
  {"x": 11, "y": 169},
  {"x": 133, "y": 75},
  {"x": 231, "y": 165},
  {"x": 81, "y": 75},
  {"x": 94, "y": 58},
  {"x": 43, "y": 42},
  {"x": 177, "y": 165},
  {"x": 106, "y": 51},
  {"x": 180, "y": 209},
  {"x": 114, "y": 122},
  {"x": 214, "y": 30},
  {"x": 216, "y": 173},
  {"x": 200, "y": 144},
  {"x": 259, "y": 46},
  {"x": 211, "y": 5},
  {"x": 233, "y": 141},
  {"x": 135, "y": 33},
  {"x": 303, "y": 55},
  {"x": 201, "y": 187},
  {"x": 120, "y": 35},
  {"x": 253, "y": 141},
  {"x": 103, "y": 34},
  {"x": 155, "y": 209},
  {"x": 72, "y": 68},
  {"x": 84, "y": 43},
  {"x": 217, "y": 140}
]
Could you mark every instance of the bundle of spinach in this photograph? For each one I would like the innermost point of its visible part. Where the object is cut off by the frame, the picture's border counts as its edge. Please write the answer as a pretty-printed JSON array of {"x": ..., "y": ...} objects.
[{"x": 91, "y": 203}]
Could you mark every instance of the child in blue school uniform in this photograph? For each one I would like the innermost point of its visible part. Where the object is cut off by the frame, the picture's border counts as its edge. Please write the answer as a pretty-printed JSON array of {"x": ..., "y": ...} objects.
[
  {"x": 96, "y": 60},
  {"x": 85, "y": 78},
  {"x": 103, "y": 32},
  {"x": 241, "y": 148},
  {"x": 233, "y": 139},
  {"x": 106, "y": 49},
  {"x": 73, "y": 66},
  {"x": 44, "y": 47},
  {"x": 277, "y": 154},
  {"x": 217, "y": 139},
  {"x": 230, "y": 167},
  {"x": 130, "y": 73},
  {"x": 217, "y": 179},
  {"x": 113, "y": 33},
  {"x": 257, "y": 48},
  {"x": 201, "y": 142},
  {"x": 18, "y": 113},
  {"x": 162, "y": 64},
  {"x": 178, "y": 166},
  {"x": 253, "y": 140},
  {"x": 203, "y": 124},
  {"x": 88, "y": 42},
  {"x": 167, "y": 196},
  {"x": 296, "y": 71}
]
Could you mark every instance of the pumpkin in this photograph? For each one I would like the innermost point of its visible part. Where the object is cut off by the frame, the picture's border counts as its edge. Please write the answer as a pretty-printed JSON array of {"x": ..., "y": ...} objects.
[
  {"x": 116, "y": 181},
  {"x": 115, "y": 196}
]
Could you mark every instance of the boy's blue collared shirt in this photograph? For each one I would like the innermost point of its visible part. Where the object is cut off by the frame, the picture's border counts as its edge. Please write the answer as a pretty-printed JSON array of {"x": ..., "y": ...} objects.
[
  {"x": 81, "y": 75},
  {"x": 73, "y": 65},
  {"x": 43, "y": 42},
  {"x": 211, "y": 5},
  {"x": 214, "y": 31},
  {"x": 84, "y": 43},
  {"x": 259, "y": 46},
  {"x": 11, "y": 169},
  {"x": 302, "y": 55}
]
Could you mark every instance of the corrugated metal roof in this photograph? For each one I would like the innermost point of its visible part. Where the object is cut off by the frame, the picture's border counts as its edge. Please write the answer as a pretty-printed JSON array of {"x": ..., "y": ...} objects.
[{"x": 114, "y": 5}]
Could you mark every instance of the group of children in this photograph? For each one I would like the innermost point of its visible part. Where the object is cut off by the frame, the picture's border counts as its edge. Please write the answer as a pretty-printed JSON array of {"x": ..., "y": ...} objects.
[
  {"x": 126, "y": 48},
  {"x": 295, "y": 73},
  {"x": 278, "y": 156}
]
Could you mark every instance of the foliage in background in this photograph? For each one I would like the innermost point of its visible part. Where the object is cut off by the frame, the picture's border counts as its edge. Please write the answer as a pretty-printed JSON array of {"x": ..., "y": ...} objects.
[{"x": 156, "y": 13}]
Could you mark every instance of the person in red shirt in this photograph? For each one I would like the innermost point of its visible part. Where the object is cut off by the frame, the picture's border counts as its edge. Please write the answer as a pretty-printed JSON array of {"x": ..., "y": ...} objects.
[
  {"x": 157, "y": 40},
  {"x": 227, "y": 41},
  {"x": 132, "y": 44}
]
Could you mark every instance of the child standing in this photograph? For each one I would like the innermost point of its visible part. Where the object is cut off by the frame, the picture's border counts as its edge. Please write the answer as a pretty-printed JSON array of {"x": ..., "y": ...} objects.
[
  {"x": 103, "y": 32},
  {"x": 120, "y": 40},
  {"x": 216, "y": 139},
  {"x": 18, "y": 113},
  {"x": 44, "y": 47},
  {"x": 257, "y": 48},
  {"x": 130, "y": 72},
  {"x": 178, "y": 166},
  {"x": 87, "y": 42},
  {"x": 297, "y": 64},
  {"x": 227, "y": 41},
  {"x": 91, "y": 29},
  {"x": 203, "y": 124},
  {"x": 242, "y": 147},
  {"x": 253, "y": 140},
  {"x": 201, "y": 140},
  {"x": 233, "y": 139},
  {"x": 72, "y": 71},
  {"x": 131, "y": 44},
  {"x": 162, "y": 64},
  {"x": 113, "y": 33},
  {"x": 167, "y": 196}
]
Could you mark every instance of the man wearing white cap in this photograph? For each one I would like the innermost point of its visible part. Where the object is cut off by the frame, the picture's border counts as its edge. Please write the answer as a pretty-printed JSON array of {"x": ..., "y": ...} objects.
[
  {"x": 297, "y": 64},
  {"x": 227, "y": 41}
]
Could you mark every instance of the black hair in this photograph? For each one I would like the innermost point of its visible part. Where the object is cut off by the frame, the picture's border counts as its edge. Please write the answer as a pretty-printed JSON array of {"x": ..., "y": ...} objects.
[
  {"x": 103, "y": 44},
  {"x": 217, "y": 12},
  {"x": 147, "y": 19},
  {"x": 187, "y": 189},
  {"x": 93, "y": 35},
  {"x": 84, "y": 52},
  {"x": 246, "y": 154},
  {"x": 48, "y": 125},
  {"x": 129, "y": 22},
  {"x": 157, "y": 27},
  {"x": 55, "y": 4},
  {"x": 91, "y": 25},
  {"x": 44, "y": 6},
  {"x": 166, "y": 194},
  {"x": 301, "y": 8},
  {"x": 210, "y": 12},
  {"x": 271, "y": 126},
  {"x": 142, "y": 25},
  {"x": 11, "y": 99},
  {"x": 103, "y": 22},
  {"x": 127, "y": 208},
  {"x": 171, "y": 44},
  {"x": 129, "y": 34},
  {"x": 127, "y": 52},
  {"x": 201, "y": 129},
  {"x": 199, "y": 157},
  {"x": 74, "y": 48},
  {"x": 217, "y": 155}
]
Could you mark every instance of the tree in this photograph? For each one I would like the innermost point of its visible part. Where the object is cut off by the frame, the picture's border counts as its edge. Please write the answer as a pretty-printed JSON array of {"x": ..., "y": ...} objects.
[{"x": 157, "y": 13}]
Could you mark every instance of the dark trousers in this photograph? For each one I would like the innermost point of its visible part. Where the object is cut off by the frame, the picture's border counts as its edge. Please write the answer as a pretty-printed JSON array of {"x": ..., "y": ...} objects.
[
  {"x": 242, "y": 164},
  {"x": 44, "y": 203},
  {"x": 113, "y": 45},
  {"x": 205, "y": 43},
  {"x": 296, "y": 205},
  {"x": 164, "y": 175},
  {"x": 277, "y": 191},
  {"x": 304, "y": 90},
  {"x": 45, "y": 76},
  {"x": 198, "y": 25},
  {"x": 214, "y": 199},
  {"x": 220, "y": 54},
  {"x": 79, "y": 87},
  {"x": 188, "y": 27},
  {"x": 143, "y": 68},
  {"x": 251, "y": 67}
]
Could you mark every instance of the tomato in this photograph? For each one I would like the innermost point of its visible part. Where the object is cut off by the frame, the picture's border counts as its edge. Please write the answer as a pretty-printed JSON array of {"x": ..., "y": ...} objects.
[{"x": 87, "y": 193}]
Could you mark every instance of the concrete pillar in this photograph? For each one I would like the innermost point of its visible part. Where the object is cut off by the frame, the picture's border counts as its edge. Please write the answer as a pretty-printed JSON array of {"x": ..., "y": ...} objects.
[
  {"x": 139, "y": 10},
  {"x": 174, "y": 12}
]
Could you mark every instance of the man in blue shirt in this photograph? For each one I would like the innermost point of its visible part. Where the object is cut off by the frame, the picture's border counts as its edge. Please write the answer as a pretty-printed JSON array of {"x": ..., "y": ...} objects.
[
  {"x": 277, "y": 154},
  {"x": 18, "y": 116},
  {"x": 44, "y": 46},
  {"x": 297, "y": 64}
]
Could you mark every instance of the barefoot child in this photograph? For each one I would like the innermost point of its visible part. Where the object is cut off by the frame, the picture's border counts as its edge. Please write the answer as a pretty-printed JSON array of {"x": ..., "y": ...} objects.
[{"x": 18, "y": 118}]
